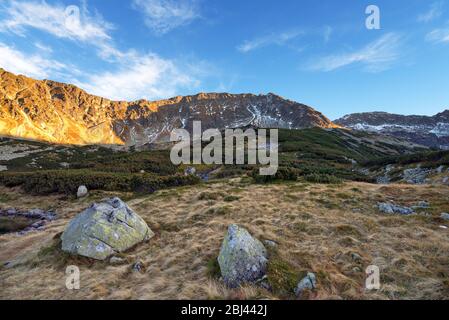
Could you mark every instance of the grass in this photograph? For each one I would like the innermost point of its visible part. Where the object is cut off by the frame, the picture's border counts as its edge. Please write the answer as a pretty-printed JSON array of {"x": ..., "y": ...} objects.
[{"x": 180, "y": 259}]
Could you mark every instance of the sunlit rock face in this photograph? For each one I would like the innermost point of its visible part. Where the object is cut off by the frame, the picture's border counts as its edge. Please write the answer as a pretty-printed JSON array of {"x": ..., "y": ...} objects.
[
  {"x": 62, "y": 113},
  {"x": 428, "y": 131}
]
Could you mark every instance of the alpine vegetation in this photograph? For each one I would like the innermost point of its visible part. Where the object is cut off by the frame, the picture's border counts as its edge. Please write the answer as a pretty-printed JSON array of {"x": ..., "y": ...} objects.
[{"x": 237, "y": 143}]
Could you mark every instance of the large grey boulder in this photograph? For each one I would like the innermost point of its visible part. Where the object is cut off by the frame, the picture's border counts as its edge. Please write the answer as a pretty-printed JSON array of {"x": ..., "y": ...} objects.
[
  {"x": 242, "y": 258},
  {"x": 104, "y": 229}
]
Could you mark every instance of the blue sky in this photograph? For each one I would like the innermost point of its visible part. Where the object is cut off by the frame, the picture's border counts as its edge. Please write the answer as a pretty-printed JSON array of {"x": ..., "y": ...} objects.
[{"x": 316, "y": 52}]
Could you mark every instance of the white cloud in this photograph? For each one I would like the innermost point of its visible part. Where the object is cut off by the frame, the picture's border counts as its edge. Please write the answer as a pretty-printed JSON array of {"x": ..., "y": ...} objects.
[
  {"x": 438, "y": 35},
  {"x": 164, "y": 15},
  {"x": 435, "y": 11},
  {"x": 141, "y": 77},
  {"x": 375, "y": 57},
  {"x": 271, "y": 39},
  {"x": 64, "y": 22},
  {"x": 130, "y": 75},
  {"x": 33, "y": 65}
]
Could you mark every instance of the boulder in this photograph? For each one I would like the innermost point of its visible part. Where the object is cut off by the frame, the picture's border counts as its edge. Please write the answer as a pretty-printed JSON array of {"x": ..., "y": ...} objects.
[
  {"x": 104, "y": 229},
  {"x": 82, "y": 192},
  {"x": 445, "y": 216},
  {"x": 242, "y": 258},
  {"x": 394, "y": 209}
]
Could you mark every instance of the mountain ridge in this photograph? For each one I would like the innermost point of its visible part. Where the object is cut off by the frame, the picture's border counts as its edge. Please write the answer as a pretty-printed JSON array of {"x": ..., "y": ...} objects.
[{"x": 57, "y": 112}]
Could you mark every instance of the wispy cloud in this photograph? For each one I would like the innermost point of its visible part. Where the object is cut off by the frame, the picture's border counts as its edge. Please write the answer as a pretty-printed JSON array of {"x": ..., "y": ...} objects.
[
  {"x": 377, "y": 56},
  {"x": 271, "y": 39},
  {"x": 434, "y": 12},
  {"x": 327, "y": 33},
  {"x": 162, "y": 16},
  {"x": 33, "y": 65},
  {"x": 438, "y": 35},
  {"x": 64, "y": 22}
]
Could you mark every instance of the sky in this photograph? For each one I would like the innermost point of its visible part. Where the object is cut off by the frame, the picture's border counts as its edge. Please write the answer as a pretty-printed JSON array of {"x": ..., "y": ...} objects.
[{"x": 319, "y": 53}]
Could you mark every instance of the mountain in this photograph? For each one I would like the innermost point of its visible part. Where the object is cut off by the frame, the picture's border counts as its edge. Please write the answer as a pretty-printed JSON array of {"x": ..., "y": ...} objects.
[
  {"x": 62, "y": 113},
  {"x": 429, "y": 131}
]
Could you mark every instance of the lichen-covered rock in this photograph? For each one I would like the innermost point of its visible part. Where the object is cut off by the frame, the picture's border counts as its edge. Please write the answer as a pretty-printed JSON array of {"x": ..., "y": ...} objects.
[
  {"x": 242, "y": 258},
  {"x": 104, "y": 229}
]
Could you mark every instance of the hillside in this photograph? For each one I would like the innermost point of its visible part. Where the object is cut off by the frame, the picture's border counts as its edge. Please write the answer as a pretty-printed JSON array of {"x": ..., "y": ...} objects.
[{"x": 332, "y": 230}]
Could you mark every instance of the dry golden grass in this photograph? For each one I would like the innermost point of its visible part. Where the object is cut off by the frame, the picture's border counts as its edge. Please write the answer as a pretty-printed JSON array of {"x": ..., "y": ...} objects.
[{"x": 333, "y": 231}]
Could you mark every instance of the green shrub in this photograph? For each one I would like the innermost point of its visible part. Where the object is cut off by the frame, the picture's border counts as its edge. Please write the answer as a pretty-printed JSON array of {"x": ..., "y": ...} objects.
[
  {"x": 68, "y": 181},
  {"x": 322, "y": 178}
]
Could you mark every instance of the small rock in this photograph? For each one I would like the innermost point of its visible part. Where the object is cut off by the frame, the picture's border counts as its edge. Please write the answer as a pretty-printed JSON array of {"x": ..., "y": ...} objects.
[
  {"x": 142, "y": 171},
  {"x": 392, "y": 208},
  {"x": 82, "y": 192},
  {"x": 138, "y": 266},
  {"x": 440, "y": 169},
  {"x": 270, "y": 243},
  {"x": 356, "y": 257},
  {"x": 189, "y": 171},
  {"x": 307, "y": 283},
  {"x": 445, "y": 216},
  {"x": 422, "y": 205},
  {"x": 116, "y": 260}
]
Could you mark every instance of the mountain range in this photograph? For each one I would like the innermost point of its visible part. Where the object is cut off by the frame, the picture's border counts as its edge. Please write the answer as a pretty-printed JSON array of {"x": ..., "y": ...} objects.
[
  {"x": 428, "y": 131},
  {"x": 62, "y": 113}
]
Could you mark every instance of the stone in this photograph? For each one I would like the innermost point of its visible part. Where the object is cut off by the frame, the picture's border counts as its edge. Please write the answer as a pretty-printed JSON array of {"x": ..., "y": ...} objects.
[
  {"x": 104, "y": 229},
  {"x": 270, "y": 243},
  {"x": 138, "y": 266},
  {"x": 189, "y": 171},
  {"x": 307, "y": 283},
  {"x": 82, "y": 192},
  {"x": 242, "y": 258},
  {"x": 356, "y": 257},
  {"x": 416, "y": 176},
  {"x": 422, "y": 205},
  {"x": 116, "y": 260},
  {"x": 394, "y": 209},
  {"x": 445, "y": 216}
]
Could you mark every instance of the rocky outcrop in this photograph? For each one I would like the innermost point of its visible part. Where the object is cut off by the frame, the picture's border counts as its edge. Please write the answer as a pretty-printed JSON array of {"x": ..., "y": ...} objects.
[
  {"x": 391, "y": 208},
  {"x": 62, "y": 113},
  {"x": 424, "y": 130},
  {"x": 104, "y": 229},
  {"x": 242, "y": 259}
]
